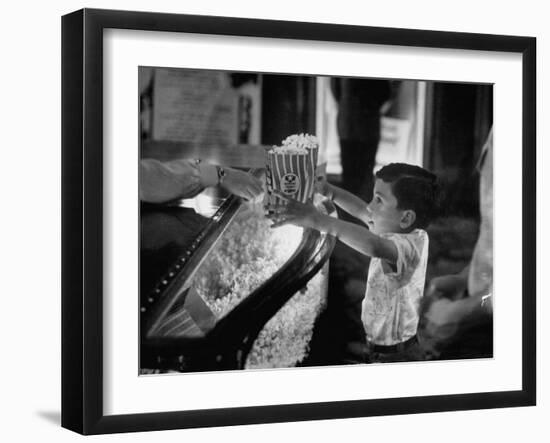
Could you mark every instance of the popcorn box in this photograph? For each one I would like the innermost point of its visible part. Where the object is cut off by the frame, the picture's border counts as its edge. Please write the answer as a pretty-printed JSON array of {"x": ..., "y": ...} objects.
[{"x": 291, "y": 168}]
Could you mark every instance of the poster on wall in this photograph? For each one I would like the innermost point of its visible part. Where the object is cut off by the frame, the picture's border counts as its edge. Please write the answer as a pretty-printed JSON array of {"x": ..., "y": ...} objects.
[{"x": 201, "y": 107}]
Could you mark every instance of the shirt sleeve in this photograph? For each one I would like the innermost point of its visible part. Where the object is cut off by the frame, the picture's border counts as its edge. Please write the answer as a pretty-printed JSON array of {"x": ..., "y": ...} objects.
[
  {"x": 409, "y": 252},
  {"x": 161, "y": 182}
]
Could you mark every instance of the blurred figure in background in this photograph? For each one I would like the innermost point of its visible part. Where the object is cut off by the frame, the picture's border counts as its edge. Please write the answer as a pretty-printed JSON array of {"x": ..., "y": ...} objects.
[
  {"x": 458, "y": 310},
  {"x": 359, "y": 102}
]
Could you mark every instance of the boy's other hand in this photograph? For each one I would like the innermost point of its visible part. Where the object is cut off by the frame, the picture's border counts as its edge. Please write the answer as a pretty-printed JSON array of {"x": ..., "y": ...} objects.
[
  {"x": 292, "y": 212},
  {"x": 323, "y": 187},
  {"x": 447, "y": 286},
  {"x": 321, "y": 184}
]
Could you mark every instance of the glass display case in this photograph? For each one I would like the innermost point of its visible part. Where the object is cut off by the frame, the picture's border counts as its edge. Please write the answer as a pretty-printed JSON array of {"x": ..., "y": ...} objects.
[{"x": 220, "y": 289}]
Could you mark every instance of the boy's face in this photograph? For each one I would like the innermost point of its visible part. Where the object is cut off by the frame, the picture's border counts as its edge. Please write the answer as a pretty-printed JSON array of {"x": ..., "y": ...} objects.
[{"x": 383, "y": 213}]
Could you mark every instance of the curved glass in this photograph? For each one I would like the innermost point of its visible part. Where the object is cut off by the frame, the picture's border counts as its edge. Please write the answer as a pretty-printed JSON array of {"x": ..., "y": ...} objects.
[{"x": 248, "y": 253}]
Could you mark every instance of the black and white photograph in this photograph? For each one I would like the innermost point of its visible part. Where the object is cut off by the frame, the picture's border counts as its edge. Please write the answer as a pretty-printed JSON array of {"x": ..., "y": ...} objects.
[
  {"x": 275, "y": 221},
  {"x": 293, "y": 221}
]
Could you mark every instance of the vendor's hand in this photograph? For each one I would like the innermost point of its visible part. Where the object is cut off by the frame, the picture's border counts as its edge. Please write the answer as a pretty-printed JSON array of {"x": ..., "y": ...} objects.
[
  {"x": 242, "y": 184},
  {"x": 292, "y": 212}
]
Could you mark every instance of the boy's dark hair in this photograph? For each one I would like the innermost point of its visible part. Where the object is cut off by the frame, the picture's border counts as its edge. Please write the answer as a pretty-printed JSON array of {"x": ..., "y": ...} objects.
[{"x": 414, "y": 188}]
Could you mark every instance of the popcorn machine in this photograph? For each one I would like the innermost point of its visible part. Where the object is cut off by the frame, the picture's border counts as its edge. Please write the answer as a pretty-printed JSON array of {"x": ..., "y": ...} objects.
[{"x": 227, "y": 291}]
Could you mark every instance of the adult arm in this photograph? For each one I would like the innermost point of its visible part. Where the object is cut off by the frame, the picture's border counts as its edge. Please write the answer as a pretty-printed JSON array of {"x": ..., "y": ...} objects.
[{"x": 161, "y": 182}]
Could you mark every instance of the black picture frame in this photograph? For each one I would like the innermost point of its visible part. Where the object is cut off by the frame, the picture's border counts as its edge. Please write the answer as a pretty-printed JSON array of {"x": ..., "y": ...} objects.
[{"x": 82, "y": 218}]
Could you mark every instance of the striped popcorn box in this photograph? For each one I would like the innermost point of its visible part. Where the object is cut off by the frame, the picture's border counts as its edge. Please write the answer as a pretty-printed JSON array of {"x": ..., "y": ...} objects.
[{"x": 290, "y": 169}]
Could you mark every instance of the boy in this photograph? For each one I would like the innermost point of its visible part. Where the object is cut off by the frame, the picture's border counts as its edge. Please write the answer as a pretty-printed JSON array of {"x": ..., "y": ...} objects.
[{"x": 403, "y": 204}]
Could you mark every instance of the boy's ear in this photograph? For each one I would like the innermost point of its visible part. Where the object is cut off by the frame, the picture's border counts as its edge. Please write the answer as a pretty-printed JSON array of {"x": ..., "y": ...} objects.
[{"x": 407, "y": 219}]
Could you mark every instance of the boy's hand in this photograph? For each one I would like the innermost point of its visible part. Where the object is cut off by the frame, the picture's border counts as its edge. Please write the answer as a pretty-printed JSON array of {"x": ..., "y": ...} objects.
[{"x": 292, "y": 212}]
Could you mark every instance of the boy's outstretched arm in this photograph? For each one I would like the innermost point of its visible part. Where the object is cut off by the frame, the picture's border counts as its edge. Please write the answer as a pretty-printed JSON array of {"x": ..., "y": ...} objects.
[
  {"x": 359, "y": 238},
  {"x": 355, "y": 236},
  {"x": 350, "y": 203}
]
